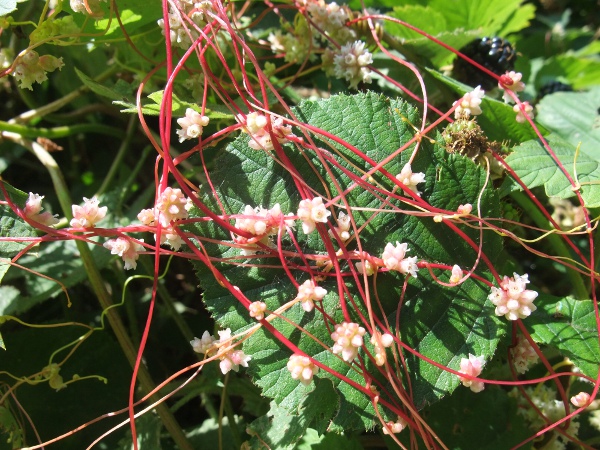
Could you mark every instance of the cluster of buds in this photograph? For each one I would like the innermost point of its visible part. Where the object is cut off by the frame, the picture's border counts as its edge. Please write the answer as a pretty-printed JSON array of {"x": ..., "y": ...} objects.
[
  {"x": 255, "y": 124},
  {"x": 524, "y": 355},
  {"x": 351, "y": 63},
  {"x": 181, "y": 33},
  {"x": 192, "y": 125},
  {"x": 32, "y": 68},
  {"x": 127, "y": 249},
  {"x": 410, "y": 179},
  {"x": 348, "y": 338},
  {"x": 469, "y": 104},
  {"x": 472, "y": 367},
  {"x": 311, "y": 212},
  {"x": 343, "y": 228},
  {"x": 88, "y": 215},
  {"x": 302, "y": 368},
  {"x": 394, "y": 258},
  {"x": 512, "y": 300},
  {"x": 262, "y": 223},
  {"x": 33, "y": 211},
  {"x": 257, "y": 310},
  {"x": 395, "y": 427},
  {"x": 511, "y": 81},
  {"x": 231, "y": 359},
  {"x": 381, "y": 342},
  {"x": 308, "y": 293}
]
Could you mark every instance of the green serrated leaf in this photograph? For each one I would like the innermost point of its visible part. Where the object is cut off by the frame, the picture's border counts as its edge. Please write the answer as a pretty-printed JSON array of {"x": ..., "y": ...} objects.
[
  {"x": 535, "y": 167},
  {"x": 569, "y": 326},
  {"x": 442, "y": 324},
  {"x": 574, "y": 117},
  {"x": 11, "y": 225}
]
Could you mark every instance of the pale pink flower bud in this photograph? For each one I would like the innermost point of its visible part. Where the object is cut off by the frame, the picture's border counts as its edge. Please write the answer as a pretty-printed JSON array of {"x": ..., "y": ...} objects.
[
  {"x": 511, "y": 81},
  {"x": 230, "y": 359},
  {"x": 524, "y": 355},
  {"x": 366, "y": 267},
  {"x": 410, "y": 179},
  {"x": 310, "y": 212},
  {"x": 464, "y": 209},
  {"x": 343, "y": 228},
  {"x": 89, "y": 214},
  {"x": 472, "y": 367},
  {"x": 524, "y": 109},
  {"x": 457, "y": 274},
  {"x": 204, "y": 344},
  {"x": 171, "y": 206},
  {"x": 302, "y": 368},
  {"x": 257, "y": 310},
  {"x": 33, "y": 208},
  {"x": 126, "y": 249},
  {"x": 395, "y": 427},
  {"x": 348, "y": 338},
  {"x": 146, "y": 216},
  {"x": 581, "y": 400},
  {"x": 381, "y": 342},
  {"x": 512, "y": 300}
]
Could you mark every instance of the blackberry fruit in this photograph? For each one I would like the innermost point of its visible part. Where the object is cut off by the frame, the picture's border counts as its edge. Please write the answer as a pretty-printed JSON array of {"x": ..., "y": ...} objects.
[
  {"x": 495, "y": 54},
  {"x": 553, "y": 86}
]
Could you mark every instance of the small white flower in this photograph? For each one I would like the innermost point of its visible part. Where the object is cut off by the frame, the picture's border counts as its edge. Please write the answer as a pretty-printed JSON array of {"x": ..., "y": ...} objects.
[
  {"x": 581, "y": 400},
  {"x": 348, "y": 338},
  {"x": 302, "y": 368},
  {"x": 464, "y": 209},
  {"x": 524, "y": 109},
  {"x": 171, "y": 206},
  {"x": 204, "y": 344},
  {"x": 395, "y": 427},
  {"x": 469, "y": 104},
  {"x": 381, "y": 342},
  {"x": 255, "y": 124},
  {"x": 89, "y": 214},
  {"x": 191, "y": 125},
  {"x": 230, "y": 359},
  {"x": 410, "y": 179},
  {"x": 457, "y": 274},
  {"x": 512, "y": 300},
  {"x": 126, "y": 249},
  {"x": 524, "y": 355},
  {"x": 310, "y": 212},
  {"x": 343, "y": 228}
]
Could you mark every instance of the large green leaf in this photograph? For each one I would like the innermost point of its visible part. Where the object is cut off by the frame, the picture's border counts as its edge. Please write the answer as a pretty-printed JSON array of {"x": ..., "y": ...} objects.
[
  {"x": 532, "y": 163},
  {"x": 569, "y": 326},
  {"x": 443, "y": 324}
]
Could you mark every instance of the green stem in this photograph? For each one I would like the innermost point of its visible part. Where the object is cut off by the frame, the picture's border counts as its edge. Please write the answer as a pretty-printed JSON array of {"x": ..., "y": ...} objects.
[
  {"x": 60, "y": 132},
  {"x": 99, "y": 288},
  {"x": 555, "y": 241}
]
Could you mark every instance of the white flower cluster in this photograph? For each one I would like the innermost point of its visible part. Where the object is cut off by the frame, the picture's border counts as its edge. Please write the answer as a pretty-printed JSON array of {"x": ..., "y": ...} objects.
[
  {"x": 182, "y": 33},
  {"x": 191, "y": 125},
  {"x": 308, "y": 292},
  {"x": 410, "y": 179},
  {"x": 469, "y": 104},
  {"x": 89, "y": 214},
  {"x": 512, "y": 300},
  {"x": 395, "y": 427},
  {"x": 302, "y": 368},
  {"x": 348, "y": 338},
  {"x": 311, "y": 212},
  {"x": 32, "y": 68},
  {"x": 295, "y": 46},
  {"x": 381, "y": 342},
  {"x": 524, "y": 355},
  {"x": 126, "y": 249},
  {"x": 551, "y": 409},
  {"x": 257, "y": 310},
  {"x": 33, "y": 211},
  {"x": 255, "y": 124},
  {"x": 331, "y": 19},
  {"x": 351, "y": 62},
  {"x": 231, "y": 359},
  {"x": 172, "y": 205},
  {"x": 394, "y": 258},
  {"x": 472, "y": 366},
  {"x": 343, "y": 228},
  {"x": 511, "y": 81}
]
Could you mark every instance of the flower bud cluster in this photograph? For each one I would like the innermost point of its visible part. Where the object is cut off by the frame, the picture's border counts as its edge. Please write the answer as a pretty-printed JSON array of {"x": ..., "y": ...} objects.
[
  {"x": 331, "y": 19},
  {"x": 511, "y": 81},
  {"x": 410, "y": 179},
  {"x": 182, "y": 32},
  {"x": 394, "y": 258},
  {"x": 260, "y": 222},
  {"x": 472, "y": 367},
  {"x": 395, "y": 427},
  {"x": 302, "y": 368},
  {"x": 33, "y": 211},
  {"x": 381, "y": 342},
  {"x": 469, "y": 104},
  {"x": 255, "y": 124},
  {"x": 348, "y": 338},
  {"x": 89, "y": 214},
  {"x": 524, "y": 355},
  {"x": 523, "y": 110},
  {"x": 127, "y": 249},
  {"x": 32, "y": 68},
  {"x": 257, "y": 310},
  {"x": 231, "y": 359},
  {"x": 343, "y": 228},
  {"x": 512, "y": 300},
  {"x": 351, "y": 62},
  {"x": 308, "y": 292},
  {"x": 191, "y": 125}
]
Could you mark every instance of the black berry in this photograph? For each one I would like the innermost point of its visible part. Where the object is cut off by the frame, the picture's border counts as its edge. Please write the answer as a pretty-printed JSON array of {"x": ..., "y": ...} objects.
[
  {"x": 495, "y": 54},
  {"x": 552, "y": 87}
]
